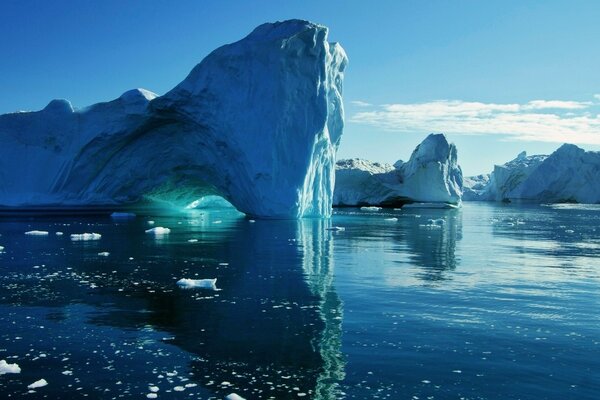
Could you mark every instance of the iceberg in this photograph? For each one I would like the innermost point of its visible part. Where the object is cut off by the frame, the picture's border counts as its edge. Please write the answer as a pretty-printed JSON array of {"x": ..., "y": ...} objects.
[
  {"x": 569, "y": 175},
  {"x": 37, "y": 384},
  {"x": 432, "y": 175},
  {"x": 76, "y": 237},
  {"x": 257, "y": 122}
]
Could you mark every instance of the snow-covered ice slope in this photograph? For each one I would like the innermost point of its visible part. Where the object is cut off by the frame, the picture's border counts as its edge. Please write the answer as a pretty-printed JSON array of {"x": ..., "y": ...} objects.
[
  {"x": 432, "y": 175},
  {"x": 570, "y": 174},
  {"x": 257, "y": 122}
]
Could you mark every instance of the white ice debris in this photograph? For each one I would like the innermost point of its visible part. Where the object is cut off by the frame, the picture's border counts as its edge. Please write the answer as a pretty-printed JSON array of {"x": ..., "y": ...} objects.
[
  {"x": 392, "y": 219},
  {"x": 336, "y": 228},
  {"x": 159, "y": 230},
  {"x": 197, "y": 283},
  {"x": 104, "y": 254},
  {"x": 59, "y": 233},
  {"x": 370, "y": 208},
  {"x": 234, "y": 396},
  {"x": 151, "y": 396},
  {"x": 1, "y": 248},
  {"x": 6, "y": 368},
  {"x": 153, "y": 388},
  {"x": 37, "y": 384},
  {"x": 85, "y": 236},
  {"x": 192, "y": 240},
  {"x": 258, "y": 121},
  {"x": 37, "y": 233}
]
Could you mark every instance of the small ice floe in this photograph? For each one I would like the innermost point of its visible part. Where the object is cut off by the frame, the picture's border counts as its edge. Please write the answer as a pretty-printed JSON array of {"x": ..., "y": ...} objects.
[
  {"x": 85, "y": 236},
  {"x": 197, "y": 283},
  {"x": 67, "y": 373},
  {"x": 59, "y": 233},
  {"x": 434, "y": 223},
  {"x": 6, "y": 368},
  {"x": 150, "y": 222},
  {"x": 336, "y": 228},
  {"x": 151, "y": 396},
  {"x": 192, "y": 240},
  {"x": 37, "y": 233},
  {"x": 122, "y": 215},
  {"x": 251, "y": 221},
  {"x": 37, "y": 384},
  {"x": 234, "y": 396},
  {"x": 179, "y": 388},
  {"x": 104, "y": 254},
  {"x": 569, "y": 231},
  {"x": 153, "y": 389},
  {"x": 370, "y": 208},
  {"x": 159, "y": 230},
  {"x": 393, "y": 219},
  {"x": 1, "y": 248}
]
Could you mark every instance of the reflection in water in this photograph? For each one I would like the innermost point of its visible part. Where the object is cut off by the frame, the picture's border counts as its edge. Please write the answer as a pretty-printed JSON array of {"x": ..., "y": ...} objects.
[
  {"x": 318, "y": 268},
  {"x": 273, "y": 331}
]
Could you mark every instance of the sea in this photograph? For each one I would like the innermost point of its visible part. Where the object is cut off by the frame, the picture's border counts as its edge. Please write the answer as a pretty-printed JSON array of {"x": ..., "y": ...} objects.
[{"x": 488, "y": 301}]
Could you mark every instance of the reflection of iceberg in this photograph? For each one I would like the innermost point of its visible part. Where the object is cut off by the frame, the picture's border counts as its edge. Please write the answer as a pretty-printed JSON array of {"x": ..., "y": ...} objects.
[{"x": 317, "y": 263}]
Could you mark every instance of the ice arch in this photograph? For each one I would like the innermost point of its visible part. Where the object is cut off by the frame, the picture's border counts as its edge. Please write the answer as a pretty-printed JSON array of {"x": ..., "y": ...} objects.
[{"x": 257, "y": 122}]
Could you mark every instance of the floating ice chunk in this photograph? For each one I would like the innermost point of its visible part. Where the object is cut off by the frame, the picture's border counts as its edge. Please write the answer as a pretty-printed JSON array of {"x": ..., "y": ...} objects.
[
  {"x": 152, "y": 395},
  {"x": 251, "y": 221},
  {"x": 336, "y": 228},
  {"x": 104, "y": 254},
  {"x": 197, "y": 283},
  {"x": 159, "y": 230},
  {"x": 59, "y": 233},
  {"x": 122, "y": 215},
  {"x": 153, "y": 389},
  {"x": 179, "y": 388},
  {"x": 430, "y": 205},
  {"x": 37, "y": 233},
  {"x": 393, "y": 219},
  {"x": 150, "y": 222},
  {"x": 6, "y": 368},
  {"x": 68, "y": 373},
  {"x": 569, "y": 231},
  {"x": 38, "y": 384},
  {"x": 370, "y": 208},
  {"x": 1, "y": 248},
  {"x": 234, "y": 396},
  {"x": 192, "y": 240},
  {"x": 85, "y": 236}
]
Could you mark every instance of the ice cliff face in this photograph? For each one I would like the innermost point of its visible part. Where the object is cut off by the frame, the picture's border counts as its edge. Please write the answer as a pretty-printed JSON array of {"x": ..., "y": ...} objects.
[
  {"x": 570, "y": 174},
  {"x": 431, "y": 175},
  {"x": 257, "y": 122}
]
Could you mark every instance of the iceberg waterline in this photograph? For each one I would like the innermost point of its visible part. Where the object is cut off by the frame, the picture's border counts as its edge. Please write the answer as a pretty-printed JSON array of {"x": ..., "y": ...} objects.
[{"x": 257, "y": 122}]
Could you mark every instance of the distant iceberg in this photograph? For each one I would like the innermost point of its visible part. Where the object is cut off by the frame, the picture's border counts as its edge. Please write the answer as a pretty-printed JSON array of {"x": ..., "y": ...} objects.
[
  {"x": 569, "y": 175},
  {"x": 432, "y": 175},
  {"x": 197, "y": 284},
  {"x": 257, "y": 122}
]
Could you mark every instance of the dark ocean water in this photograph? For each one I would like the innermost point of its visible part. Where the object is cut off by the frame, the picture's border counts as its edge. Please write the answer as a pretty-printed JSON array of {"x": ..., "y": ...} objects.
[{"x": 486, "y": 302}]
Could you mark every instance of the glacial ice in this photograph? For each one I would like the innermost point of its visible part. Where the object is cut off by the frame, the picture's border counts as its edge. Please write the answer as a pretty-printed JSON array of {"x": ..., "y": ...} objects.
[
  {"x": 257, "y": 122},
  {"x": 197, "y": 283},
  {"x": 38, "y": 384},
  {"x": 432, "y": 175},
  {"x": 6, "y": 368},
  {"x": 85, "y": 236},
  {"x": 159, "y": 230},
  {"x": 37, "y": 233},
  {"x": 234, "y": 396},
  {"x": 569, "y": 174}
]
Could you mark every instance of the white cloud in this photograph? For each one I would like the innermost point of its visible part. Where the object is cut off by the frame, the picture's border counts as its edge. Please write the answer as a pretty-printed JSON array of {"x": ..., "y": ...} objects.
[
  {"x": 359, "y": 103},
  {"x": 538, "y": 120}
]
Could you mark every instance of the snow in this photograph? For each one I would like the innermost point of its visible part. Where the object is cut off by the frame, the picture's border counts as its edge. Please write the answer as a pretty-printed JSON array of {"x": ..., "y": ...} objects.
[
  {"x": 431, "y": 175},
  {"x": 85, "y": 236},
  {"x": 37, "y": 384},
  {"x": 6, "y": 368},
  {"x": 569, "y": 174},
  {"x": 159, "y": 230},
  {"x": 197, "y": 283},
  {"x": 37, "y": 233},
  {"x": 257, "y": 122}
]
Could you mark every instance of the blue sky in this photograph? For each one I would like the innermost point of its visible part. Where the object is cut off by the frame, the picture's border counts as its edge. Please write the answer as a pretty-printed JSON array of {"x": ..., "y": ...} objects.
[{"x": 497, "y": 76}]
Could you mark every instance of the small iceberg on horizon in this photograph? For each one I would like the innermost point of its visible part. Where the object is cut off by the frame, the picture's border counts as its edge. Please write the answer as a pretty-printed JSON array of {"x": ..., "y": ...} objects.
[
  {"x": 37, "y": 233},
  {"x": 85, "y": 236},
  {"x": 159, "y": 230}
]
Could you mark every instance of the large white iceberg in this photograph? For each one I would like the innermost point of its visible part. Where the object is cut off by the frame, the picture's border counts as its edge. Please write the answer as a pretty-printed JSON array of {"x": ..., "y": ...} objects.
[
  {"x": 257, "y": 122},
  {"x": 432, "y": 175},
  {"x": 570, "y": 174}
]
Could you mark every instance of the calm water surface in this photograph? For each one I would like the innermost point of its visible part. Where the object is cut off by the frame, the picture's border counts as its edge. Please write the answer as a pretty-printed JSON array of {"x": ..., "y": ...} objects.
[{"x": 486, "y": 302}]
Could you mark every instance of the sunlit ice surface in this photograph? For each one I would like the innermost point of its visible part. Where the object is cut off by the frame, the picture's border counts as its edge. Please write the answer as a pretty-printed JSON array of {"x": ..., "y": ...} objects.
[{"x": 484, "y": 302}]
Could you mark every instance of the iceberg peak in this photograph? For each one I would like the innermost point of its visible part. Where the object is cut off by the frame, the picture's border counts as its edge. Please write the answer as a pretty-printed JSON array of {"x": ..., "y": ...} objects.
[{"x": 59, "y": 106}]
